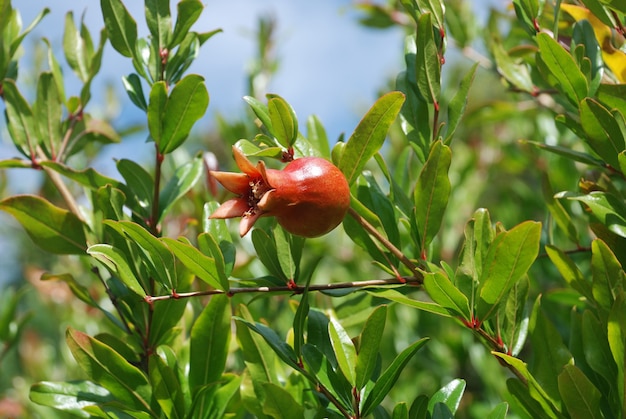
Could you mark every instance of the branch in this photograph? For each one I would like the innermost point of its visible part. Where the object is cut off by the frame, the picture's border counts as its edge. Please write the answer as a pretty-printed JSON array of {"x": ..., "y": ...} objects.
[
  {"x": 294, "y": 289},
  {"x": 419, "y": 276}
]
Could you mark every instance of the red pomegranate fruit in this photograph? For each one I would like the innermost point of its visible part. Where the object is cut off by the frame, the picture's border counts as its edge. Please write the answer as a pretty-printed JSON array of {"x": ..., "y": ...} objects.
[{"x": 309, "y": 197}]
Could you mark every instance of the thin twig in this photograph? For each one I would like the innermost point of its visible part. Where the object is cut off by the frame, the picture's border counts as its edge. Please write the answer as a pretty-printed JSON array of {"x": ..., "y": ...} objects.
[{"x": 386, "y": 243}]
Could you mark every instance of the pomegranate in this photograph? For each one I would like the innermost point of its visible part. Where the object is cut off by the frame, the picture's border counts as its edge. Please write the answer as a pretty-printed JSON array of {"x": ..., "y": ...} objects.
[{"x": 309, "y": 197}]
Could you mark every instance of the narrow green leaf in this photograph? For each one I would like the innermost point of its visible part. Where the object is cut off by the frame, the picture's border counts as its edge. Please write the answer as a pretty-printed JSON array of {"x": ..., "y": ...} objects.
[
  {"x": 20, "y": 120},
  {"x": 499, "y": 412},
  {"x": 267, "y": 253},
  {"x": 569, "y": 271},
  {"x": 110, "y": 370},
  {"x": 279, "y": 403},
  {"x": 371, "y": 337},
  {"x": 183, "y": 179},
  {"x": 284, "y": 120},
  {"x": 261, "y": 111},
  {"x": 602, "y": 127},
  {"x": 431, "y": 193},
  {"x": 200, "y": 265},
  {"x": 564, "y": 74},
  {"x": 568, "y": 153},
  {"x": 159, "y": 20},
  {"x": 344, "y": 349},
  {"x": 596, "y": 349},
  {"x": 456, "y": 108},
  {"x": 166, "y": 388},
  {"x": 509, "y": 257},
  {"x": 607, "y": 209},
  {"x": 139, "y": 182},
  {"x": 428, "y": 65},
  {"x": 443, "y": 292},
  {"x": 223, "y": 255},
  {"x": 157, "y": 256},
  {"x": 562, "y": 218},
  {"x": 393, "y": 295},
  {"x": 321, "y": 367},
  {"x": 210, "y": 341},
  {"x": 74, "y": 48},
  {"x": 551, "y": 354},
  {"x": 400, "y": 411},
  {"x": 48, "y": 112},
  {"x": 115, "y": 260},
  {"x": 299, "y": 321},
  {"x": 316, "y": 134},
  {"x": 580, "y": 397},
  {"x": 53, "y": 229},
  {"x": 70, "y": 396},
  {"x": 188, "y": 13},
  {"x": 389, "y": 377},
  {"x": 450, "y": 395},
  {"x": 132, "y": 85},
  {"x": 279, "y": 346},
  {"x": 17, "y": 41},
  {"x": 369, "y": 135},
  {"x": 259, "y": 357},
  {"x": 121, "y": 27},
  {"x": 607, "y": 274},
  {"x": 156, "y": 112},
  {"x": 187, "y": 103},
  {"x": 617, "y": 343},
  {"x": 284, "y": 254}
]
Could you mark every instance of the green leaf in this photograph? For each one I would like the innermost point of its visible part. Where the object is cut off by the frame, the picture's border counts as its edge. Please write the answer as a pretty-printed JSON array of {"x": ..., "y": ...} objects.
[
  {"x": 564, "y": 74},
  {"x": 159, "y": 20},
  {"x": 183, "y": 179},
  {"x": 157, "y": 256},
  {"x": 279, "y": 403},
  {"x": 223, "y": 254},
  {"x": 132, "y": 85},
  {"x": 369, "y": 135},
  {"x": 456, "y": 108},
  {"x": 53, "y": 229},
  {"x": 371, "y": 337},
  {"x": 75, "y": 48},
  {"x": 70, "y": 396},
  {"x": 188, "y": 13},
  {"x": 431, "y": 193},
  {"x": 187, "y": 103},
  {"x": 499, "y": 412},
  {"x": 608, "y": 277},
  {"x": 603, "y": 129},
  {"x": 551, "y": 354},
  {"x": 166, "y": 388},
  {"x": 568, "y": 153},
  {"x": 441, "y": 290},
  {"x": 115, "y": 260},
  {"x": 200, "y": 265},
  {"x": 509, "y": 257},
  {"x": 389, "y": 377},
  {"x": 393, "y": 295},
  {"x": 48, "y": 112},
  {"x": 267, "y": 253},
  {"x": 569, "y": 271},
  {"x": 284, "y": 253},
  {"x": 110, "y": 370},
  {"x": 580, "y": 397},
  {"x": 284, "y": 120},
  {"x": 139, "y": 183},
  {"x": 400, "y": 411},
  {"x": 261, "y": 111},
  {"x": 607, "y": 209},
  {"x": 20, "y": 119},
  {"x": 596, "y": 349},
  {"x": 210, "y": 342},
  {"x": 450, "y": 395},
  {"x": 156, "y": 112},
  {"x": 617, "y": 343},
  {"x": 299, "y": 321},
  {"x": 121, "y": 27},
  {"x": 316, "y": 134},
  {"x": 428, "y": 65},
  {"x": 280, "y": 347},
  {"x": 344, "y": 349},
  {"x": 559, "y": 214}
]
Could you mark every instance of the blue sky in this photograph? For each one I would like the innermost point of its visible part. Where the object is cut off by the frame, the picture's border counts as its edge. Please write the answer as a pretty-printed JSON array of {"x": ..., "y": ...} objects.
[{"x": 329, "y": 65}]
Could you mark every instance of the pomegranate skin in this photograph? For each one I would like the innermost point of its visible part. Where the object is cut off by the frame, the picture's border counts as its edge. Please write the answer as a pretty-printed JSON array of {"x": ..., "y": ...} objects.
[{"x": 310, "y": 196}]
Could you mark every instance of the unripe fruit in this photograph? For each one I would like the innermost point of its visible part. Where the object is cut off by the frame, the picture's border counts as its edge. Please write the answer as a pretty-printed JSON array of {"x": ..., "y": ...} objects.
[{"x": 309, "y": 197}]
